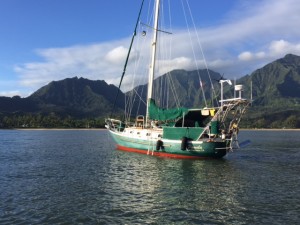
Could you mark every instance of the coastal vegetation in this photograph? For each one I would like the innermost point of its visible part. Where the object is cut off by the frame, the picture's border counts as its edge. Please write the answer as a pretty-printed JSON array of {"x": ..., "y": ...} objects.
[{"x": 49, "y": 121}]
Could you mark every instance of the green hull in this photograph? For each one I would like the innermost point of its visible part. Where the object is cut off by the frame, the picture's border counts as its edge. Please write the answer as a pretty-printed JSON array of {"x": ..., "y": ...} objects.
[{"x": 171, "y": 148}]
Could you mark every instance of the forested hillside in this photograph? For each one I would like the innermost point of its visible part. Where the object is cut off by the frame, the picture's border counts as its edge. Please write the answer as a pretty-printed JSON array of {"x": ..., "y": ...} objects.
[{"x": 78, "y": 102}]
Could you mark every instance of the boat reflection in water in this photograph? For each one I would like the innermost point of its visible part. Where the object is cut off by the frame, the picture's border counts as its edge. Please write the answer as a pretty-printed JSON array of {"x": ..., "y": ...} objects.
[{"x": 153, "y": 188}]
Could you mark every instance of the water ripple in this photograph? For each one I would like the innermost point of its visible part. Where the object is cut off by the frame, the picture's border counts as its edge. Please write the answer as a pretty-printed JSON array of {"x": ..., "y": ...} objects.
[{"x": 75, "y": 177}]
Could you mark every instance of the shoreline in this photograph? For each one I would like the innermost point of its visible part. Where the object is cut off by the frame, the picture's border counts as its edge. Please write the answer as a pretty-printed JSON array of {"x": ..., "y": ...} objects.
[
  {"x": 54, "y": 129},
  {"x": 64, "y": 129},
  {"x": 271, "y": 129}
]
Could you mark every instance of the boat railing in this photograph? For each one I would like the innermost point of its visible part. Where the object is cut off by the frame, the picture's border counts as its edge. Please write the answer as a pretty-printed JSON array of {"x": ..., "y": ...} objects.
[
  {"x": 115, "y": 125},
  {"x": 233, "y": 100},
  {"x": 140, "y": 121}
]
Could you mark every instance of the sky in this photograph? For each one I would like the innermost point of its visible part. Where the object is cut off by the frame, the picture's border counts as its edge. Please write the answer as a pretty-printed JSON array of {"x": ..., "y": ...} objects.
[{"x": 46, "y": 40}]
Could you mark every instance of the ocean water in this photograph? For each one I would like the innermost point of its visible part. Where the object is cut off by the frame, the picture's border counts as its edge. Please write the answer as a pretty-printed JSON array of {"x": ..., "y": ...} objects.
[{"x": 76, "y": 177}]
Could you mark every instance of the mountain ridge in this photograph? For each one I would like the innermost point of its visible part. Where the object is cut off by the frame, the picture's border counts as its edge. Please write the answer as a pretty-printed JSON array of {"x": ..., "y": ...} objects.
[{"x": 275, "y": 90}]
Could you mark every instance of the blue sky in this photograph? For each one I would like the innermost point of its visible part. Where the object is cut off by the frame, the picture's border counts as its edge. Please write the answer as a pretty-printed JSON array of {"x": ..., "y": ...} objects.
[{"x": 45, "y": 40}]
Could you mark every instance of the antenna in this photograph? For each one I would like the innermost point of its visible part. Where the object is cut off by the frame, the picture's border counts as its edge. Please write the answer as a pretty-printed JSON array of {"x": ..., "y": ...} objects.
[
  {"x": 222, "y": 90},
  {"x": 234, "y": 94},
  {"x": 251, "y": 94}
]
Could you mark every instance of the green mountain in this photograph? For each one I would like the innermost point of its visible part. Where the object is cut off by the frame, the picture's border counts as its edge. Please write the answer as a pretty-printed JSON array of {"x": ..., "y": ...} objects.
[
  {"x": 77, "y": 97},
  {"x": 276, "y": 94},
  {"x": 72, "y": 102},
  {"x": 181, "y": 88},
  {"x": 16, "y": 104},
  {"x": 277, "y": 83},
  {"x": 275, "y": 91}
]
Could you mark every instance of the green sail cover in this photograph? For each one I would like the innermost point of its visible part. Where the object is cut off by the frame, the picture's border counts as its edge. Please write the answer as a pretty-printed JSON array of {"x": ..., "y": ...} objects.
[{"x": 156, "y": 113}]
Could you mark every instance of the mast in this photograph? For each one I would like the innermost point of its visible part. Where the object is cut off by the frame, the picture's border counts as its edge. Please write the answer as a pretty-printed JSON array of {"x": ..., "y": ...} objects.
[{"x": 152, "y": 66}]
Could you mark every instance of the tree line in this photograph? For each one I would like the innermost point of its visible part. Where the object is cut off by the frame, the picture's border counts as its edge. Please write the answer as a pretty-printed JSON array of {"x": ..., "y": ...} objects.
[
  {"x": 291, "y": 122},
  {"x": 53, "y": 120},
  {"x": 48, "y": 121}
]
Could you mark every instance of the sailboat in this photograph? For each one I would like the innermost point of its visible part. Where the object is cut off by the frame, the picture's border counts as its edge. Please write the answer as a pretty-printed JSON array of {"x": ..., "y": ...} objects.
[{"x": 180, "y": 132}]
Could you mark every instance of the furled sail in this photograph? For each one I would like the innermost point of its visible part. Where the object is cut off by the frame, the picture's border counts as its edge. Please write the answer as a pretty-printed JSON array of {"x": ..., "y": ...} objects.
[{"x": 161, "y": 114}]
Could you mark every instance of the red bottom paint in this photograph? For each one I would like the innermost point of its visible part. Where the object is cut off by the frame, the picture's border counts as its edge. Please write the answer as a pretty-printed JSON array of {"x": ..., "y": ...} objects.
[{"x": 159, "y": 154}]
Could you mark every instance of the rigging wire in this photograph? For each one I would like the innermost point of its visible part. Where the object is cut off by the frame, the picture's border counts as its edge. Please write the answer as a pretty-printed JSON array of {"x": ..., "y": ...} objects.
[
  {"x": 128, "y": 54},
  {"x": 168, "y": 55},
  {"x": 134, "y": 94},
  {"x": 136, "y": 99},
  {"x": 204, "y": 59},
  {"x": 171, "y": 82},
  {"x": 166, "y": 88},
  {"x": 196, "y": 64}
]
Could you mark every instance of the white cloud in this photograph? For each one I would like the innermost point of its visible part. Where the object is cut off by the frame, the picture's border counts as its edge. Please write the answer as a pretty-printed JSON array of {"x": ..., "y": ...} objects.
[
  {"x": 254, "y": 33},
  {"x": 260, "y": 55},
  {"x": 249, "y": 56},
  {"x": 281, "y": 47},
  {"x": 10, "y": 88},
  {"x": 116, "y": 55},
  {"x": 176, "y": 63},
  {"x": 275, "y": 49},
  {"x": 89, "y": 61},
  {"x": 10, "y": 93},
  {"x": 245, "y": 56}
]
